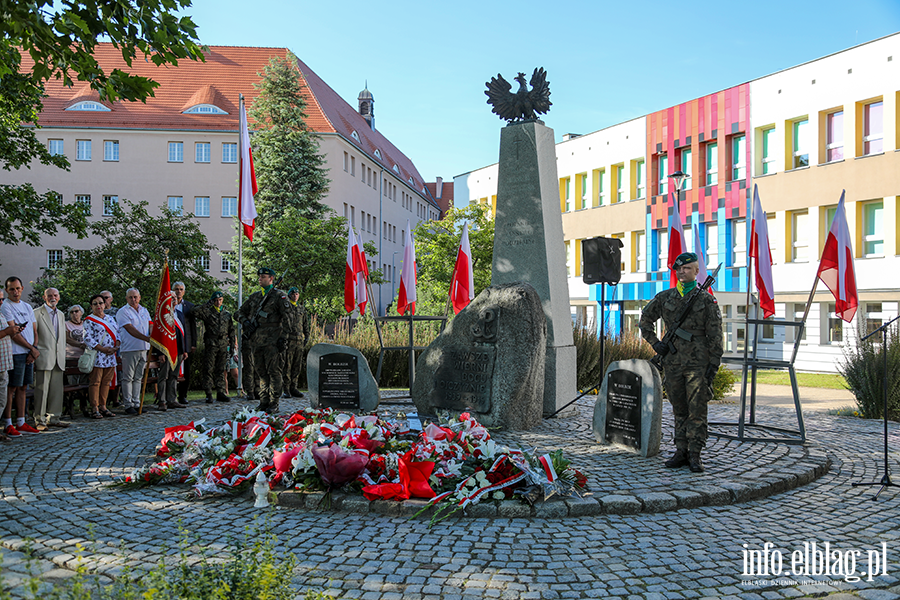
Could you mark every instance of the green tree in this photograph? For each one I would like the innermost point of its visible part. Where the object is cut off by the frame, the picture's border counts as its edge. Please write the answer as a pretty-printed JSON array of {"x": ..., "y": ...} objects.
[
  {"x": 290, "y": 170},
  {"x": 437, "y": 243},
  {"x": 59, "y": 40},
  {"x": 131, "y": 255}
]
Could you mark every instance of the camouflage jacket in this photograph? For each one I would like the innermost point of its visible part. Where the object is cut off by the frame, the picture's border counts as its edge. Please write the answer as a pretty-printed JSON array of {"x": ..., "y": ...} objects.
[
  {"x": 297, "y": 325},
  {"x": 218, "y": 327},
  {"x": 272, "y": 318},
  {"x": 703, "y": 325}
]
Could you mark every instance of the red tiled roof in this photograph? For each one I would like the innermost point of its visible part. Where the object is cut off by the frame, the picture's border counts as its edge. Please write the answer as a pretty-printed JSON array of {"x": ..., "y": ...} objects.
[{"x": 227, "y": 72}]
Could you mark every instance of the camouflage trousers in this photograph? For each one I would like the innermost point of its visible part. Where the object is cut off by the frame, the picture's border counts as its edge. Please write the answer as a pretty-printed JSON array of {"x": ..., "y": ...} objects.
[
  {"x": 293, "y": 364},
  {"x": 249, "y": 381},
  {"x": 215, "y": 356},
  {"x": 689, "y": 393},
  {"x": 269, "y": 364}
]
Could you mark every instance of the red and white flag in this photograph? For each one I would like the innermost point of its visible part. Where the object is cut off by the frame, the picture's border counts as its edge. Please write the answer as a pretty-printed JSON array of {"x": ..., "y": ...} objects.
[
  {"x": 462, "y": 287},
  {"x": 836, "y": 266},
  {"x": 406, "y": 297},
  {"x": 676, "y": 235},
  {"x": 762, "y": 252},
  {"x": 247, "y": 185},
  {"x": 355, "y": 273},
  {"x": 162, "y": 335},
  {"x": 701, "y": 260}
]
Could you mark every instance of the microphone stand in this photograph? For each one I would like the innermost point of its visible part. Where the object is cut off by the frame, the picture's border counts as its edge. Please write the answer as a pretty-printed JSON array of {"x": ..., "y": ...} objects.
[{"x": 886, "y": 480}]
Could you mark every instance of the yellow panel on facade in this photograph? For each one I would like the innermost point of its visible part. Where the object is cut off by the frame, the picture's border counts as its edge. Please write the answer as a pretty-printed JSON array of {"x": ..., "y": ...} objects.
[
  {"x": 494, "y": 206},
  {"x": 562, "y": 194},
  {"x": 595, "y": 186},
  {"x": 578, "y": 188},
  {"x": 578, "y": 264}
]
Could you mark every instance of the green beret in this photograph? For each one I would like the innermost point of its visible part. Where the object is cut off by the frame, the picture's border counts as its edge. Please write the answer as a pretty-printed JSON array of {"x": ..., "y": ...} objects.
[
  {"x": 292, "y": 290},
  {"x": 685, "y": 258},
  {"x": 265, "y": 271},
  {"x": 217, "y": 295}
]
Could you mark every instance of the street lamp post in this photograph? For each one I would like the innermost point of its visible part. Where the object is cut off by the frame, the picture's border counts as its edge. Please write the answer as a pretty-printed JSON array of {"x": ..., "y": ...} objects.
[{"x": 680, "y": 179}]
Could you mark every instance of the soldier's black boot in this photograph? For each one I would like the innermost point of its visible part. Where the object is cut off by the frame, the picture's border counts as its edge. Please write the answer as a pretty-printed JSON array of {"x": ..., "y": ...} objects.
[
  {"x": 272, "y": 408},
  {"x": 221, "y": 397},
  {"x": 696, "y": 465},
  {"x": 679, "y": 459},
  {"x": 296, "y": 393},
  {"x": 209, "y": 398}
]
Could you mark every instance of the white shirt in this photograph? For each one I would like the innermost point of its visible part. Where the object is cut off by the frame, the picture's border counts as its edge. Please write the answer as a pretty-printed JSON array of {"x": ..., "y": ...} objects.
[
  {"x": 140, "y": 320},
  {"x": 20, "y": 312}
]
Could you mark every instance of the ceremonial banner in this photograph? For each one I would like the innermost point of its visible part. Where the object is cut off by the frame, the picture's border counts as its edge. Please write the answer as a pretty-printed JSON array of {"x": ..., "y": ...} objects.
[{"x": 163, "y": 336}]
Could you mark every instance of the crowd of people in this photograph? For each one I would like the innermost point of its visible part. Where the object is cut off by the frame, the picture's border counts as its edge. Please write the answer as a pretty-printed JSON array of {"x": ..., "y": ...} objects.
[{"x": 41, "y": 346}]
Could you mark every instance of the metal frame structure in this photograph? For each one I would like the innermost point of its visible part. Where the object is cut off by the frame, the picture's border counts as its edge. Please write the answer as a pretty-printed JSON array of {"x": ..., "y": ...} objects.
[{"x": 411, "y": 347}]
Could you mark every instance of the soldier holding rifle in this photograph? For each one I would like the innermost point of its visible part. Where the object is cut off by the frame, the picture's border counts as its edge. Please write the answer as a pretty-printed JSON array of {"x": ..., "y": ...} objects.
[{"x": 690, "y": 354}]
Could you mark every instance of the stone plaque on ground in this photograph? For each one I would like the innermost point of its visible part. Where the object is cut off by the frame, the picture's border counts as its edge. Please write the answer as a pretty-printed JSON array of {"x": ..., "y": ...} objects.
[
  {"x": 628, "y": 412},
  {"x": 623, "y": 408},
  {"x": 489, "y": 360},
  {"x": 338, "y": 381},
  {"x": 339, "y": 377}
]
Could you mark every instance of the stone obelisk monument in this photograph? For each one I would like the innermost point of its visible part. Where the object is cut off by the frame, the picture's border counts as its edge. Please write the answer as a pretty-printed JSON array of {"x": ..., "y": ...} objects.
[{"x": 528, "y": 244}]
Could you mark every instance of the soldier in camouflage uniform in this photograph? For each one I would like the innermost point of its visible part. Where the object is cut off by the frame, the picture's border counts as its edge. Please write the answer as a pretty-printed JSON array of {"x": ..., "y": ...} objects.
[
  {"x": 218, "y": 342},
  {"x": 249, "y": 380},
  {"x": 268, "y": 342},
  {"x": 297, "y": 334},
  {"x": 691, "y": 368}
]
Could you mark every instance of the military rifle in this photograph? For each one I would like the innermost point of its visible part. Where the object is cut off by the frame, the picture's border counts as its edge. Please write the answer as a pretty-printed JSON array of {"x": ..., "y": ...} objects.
[
  {"x": 676, "y": 330},
  {"x": 249, "y": 326}
]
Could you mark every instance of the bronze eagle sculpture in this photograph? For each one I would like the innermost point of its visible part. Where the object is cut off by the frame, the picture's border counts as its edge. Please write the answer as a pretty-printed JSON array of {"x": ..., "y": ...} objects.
[{"x": 524, "y": 104}]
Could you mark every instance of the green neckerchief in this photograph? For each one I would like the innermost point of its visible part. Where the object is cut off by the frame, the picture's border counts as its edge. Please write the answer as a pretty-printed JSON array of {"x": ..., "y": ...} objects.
[
  {"x": 686, "y": 288},
  {"x": 266, "y": 289}
]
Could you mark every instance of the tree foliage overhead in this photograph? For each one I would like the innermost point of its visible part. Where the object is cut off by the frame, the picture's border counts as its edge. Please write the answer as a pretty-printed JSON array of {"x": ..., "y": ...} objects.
[
  {"x": 437, "y": 244},
  {"x": 61, "y": 38},
  {"x": 290, "y": 170},
  {"x": 132, "y": 253}
]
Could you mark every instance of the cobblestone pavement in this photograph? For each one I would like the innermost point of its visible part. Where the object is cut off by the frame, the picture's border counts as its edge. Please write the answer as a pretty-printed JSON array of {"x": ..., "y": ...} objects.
[{"x": 54, "y": 488}]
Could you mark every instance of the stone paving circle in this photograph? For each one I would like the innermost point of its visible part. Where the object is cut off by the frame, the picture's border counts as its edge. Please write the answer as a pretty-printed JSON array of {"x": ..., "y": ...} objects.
[{"x": 646, "y": 531}]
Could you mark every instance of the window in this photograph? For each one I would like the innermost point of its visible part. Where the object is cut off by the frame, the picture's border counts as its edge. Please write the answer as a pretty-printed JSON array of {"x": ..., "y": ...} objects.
[
  {"x": 739, "y": 237},
  {"x": 570, "y": 258},
  {"x": 640, "y": 251},
  {"x": 768, "y": 151},
  {"x": 201, "y": 206},
  {"x": 346, "y": 162},
  {"x": 738, "y": 154},
  {"x": 201, "y": 152},
  {"x": 83, "y": 151},
  {"x": 176, "y": 152},
  {"x": 712, "y": 163},
  {"x": 686, "y": 167},
  {"x": 662, "y": 237},
  {"x": 601, "y": 187},
  {"x": 640, "y": 175},
  {"x": 203, "y": 262},
  {"x": 834, "y": 136},
  {"x": 54, "y": 258},
  {"x": 111, "y": 150},
  {"x": 873, "y": 229},
  {"x": 567, "y": 191},
  {"x": 110, "y": 203},
  {"x": 85, "y": 201},
  {"x": 797, "y": 311},
  {"x": 229, "y": 152},
  {"x": 800, "y": 143},
  {"x": 773, "y": 244},
  {"x": 799, "y": 237},
  {"x": 873, "y": 128},
  {"x": 227, "y": 258},
  {"x": 663, "y": 170},
  {"x": 204, "y": 109},
  {"x": 834, "y": 333},
  {"x": 229, "y": 206},
  {"x": 767, "y": 331},
  {"x": 176, "y": 204},
  {"x": 712, "y": 245},
  {"x": 620, "y": 183},
  {"x": 583, "y": 196},
  {"x": 55, "y": 147},
  {"x": 89, "y": 105},
  {"x": 353, "y": 166},
  {"x": 874, "y": 317}
]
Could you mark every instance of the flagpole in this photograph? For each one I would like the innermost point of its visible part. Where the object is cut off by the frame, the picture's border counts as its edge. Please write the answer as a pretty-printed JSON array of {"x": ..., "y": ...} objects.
[
  {"x": 372, "y": 303},
  {"x": 747, "y": 336},
  {"x": 450, "y": 294},
  {"x": 240, "y": 261}
]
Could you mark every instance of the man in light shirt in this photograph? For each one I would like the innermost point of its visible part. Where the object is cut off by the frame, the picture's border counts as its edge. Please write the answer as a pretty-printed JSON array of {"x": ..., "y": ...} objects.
[
  {"x": 24, "y": 351},
  {"x": 134, "y": 333},
  {"x": 50, "y": 365}
]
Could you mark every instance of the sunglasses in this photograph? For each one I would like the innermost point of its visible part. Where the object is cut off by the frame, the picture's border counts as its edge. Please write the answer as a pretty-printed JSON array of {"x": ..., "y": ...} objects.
[{"x": 97, "y": 303}]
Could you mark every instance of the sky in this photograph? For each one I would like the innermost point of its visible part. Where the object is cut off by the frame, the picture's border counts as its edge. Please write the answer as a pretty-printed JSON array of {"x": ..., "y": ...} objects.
[{"x": 427, "y": 63}]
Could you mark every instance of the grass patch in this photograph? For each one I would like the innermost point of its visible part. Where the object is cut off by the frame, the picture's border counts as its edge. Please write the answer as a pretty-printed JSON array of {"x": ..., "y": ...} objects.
[{"x": 830, "y": 381}]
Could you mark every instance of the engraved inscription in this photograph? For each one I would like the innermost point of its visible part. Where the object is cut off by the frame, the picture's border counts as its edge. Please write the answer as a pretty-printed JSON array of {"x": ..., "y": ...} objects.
[
  {"x": 623, "y": 408},
  {"x": 464, "y": 380},
  {"x": 338, "y": 381}
]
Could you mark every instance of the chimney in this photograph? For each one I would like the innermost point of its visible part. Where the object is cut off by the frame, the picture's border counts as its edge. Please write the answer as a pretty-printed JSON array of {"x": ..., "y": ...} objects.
[{"x": 439, "y": 188}]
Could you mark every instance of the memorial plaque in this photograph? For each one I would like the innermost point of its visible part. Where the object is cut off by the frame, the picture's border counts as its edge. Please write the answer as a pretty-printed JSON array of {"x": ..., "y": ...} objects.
[
  {"x": 339, "y": 381},
  {"x": 464, "y": 381},
  {"x": 623, "y": 411}
]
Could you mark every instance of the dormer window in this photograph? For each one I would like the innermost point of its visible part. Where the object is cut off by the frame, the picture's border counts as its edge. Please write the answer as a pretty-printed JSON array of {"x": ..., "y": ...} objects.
[
  {"x": 354, "y": 135},
  {"x": 205, "y": 109},
  {"x": 377, "y": 153},
  {"x": 89, "y": 105},
  {"x": 411, "y": 182},
  {"x": 396, "y": 169}
]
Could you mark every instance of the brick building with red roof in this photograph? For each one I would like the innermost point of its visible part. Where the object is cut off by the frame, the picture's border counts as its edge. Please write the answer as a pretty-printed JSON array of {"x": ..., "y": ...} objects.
[{"x": 179, "y": 149}]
